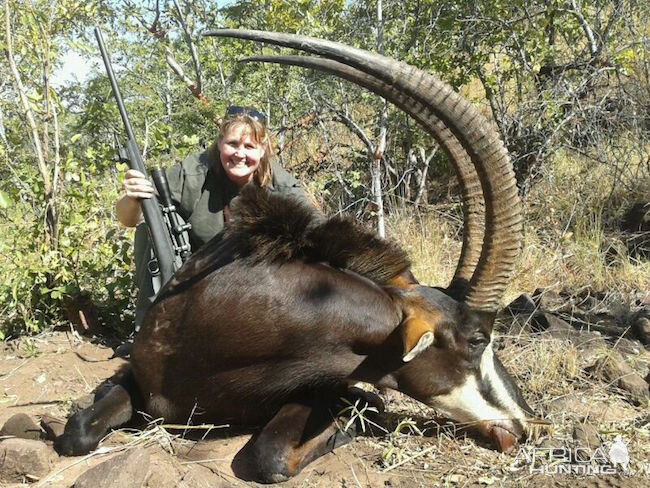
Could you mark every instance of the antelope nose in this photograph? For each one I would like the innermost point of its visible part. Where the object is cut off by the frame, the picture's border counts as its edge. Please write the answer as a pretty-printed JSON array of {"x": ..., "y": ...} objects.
[{"x": 504, "y": 434}]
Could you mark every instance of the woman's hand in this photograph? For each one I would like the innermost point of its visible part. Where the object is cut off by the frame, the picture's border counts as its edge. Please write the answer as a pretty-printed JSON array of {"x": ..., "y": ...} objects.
[{"x": 136, "y": 185}]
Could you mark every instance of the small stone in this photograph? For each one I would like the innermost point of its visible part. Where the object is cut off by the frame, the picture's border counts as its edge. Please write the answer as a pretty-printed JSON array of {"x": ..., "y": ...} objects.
[
  {"x": 614, "y": 370},
  {"x": 25, "y": 460},
  {"x": 21, "y": 425},
  {"x": 128, "y": 469},
  {"x": 52, "y": 426},
  {"x": 455, "y": 478}
]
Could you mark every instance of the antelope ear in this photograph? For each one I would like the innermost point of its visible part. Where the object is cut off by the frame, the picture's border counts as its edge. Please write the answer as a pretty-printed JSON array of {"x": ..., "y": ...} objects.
[{"x": 417, "y": 335}]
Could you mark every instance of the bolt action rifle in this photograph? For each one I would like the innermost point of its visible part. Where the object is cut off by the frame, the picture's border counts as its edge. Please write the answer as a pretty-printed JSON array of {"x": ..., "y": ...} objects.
[{"x": 166, "y": 230}]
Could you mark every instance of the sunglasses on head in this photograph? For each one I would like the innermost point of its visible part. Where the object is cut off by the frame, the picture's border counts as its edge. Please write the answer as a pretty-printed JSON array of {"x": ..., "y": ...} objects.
[{"x": 234, "y": 110}]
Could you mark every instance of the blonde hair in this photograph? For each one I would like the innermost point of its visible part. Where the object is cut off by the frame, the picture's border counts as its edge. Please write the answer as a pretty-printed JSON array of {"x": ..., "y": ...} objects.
[{"x": 260, "y": 135}]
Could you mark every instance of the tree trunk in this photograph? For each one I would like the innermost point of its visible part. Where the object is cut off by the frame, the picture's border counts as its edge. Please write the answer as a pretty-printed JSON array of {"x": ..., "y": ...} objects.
[
  {"x": 50, "y": 208},
  {"x": 192, "y": 47},
  {"x": 380, "y": 146}
]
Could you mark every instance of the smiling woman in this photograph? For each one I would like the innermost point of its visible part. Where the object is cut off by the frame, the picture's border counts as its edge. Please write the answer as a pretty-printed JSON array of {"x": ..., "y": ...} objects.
[
  {"x": 202, "y": 188},
  {"x": 244, "y": 150}
]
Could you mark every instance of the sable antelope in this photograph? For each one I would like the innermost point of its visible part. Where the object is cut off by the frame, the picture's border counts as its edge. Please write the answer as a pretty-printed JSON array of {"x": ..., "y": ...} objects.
[{"x": 272, "y": 321}]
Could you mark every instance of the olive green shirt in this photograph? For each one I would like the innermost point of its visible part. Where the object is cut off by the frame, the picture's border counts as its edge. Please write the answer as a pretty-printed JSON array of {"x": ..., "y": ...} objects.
[{"x": 201, "y": 190}]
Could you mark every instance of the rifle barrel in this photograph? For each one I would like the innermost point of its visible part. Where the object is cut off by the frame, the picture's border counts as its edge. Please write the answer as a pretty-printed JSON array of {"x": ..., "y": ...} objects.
[{"x": 150, "y": 209}]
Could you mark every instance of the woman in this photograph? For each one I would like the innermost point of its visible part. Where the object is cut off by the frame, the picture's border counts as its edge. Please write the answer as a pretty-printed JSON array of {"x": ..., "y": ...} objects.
[{"x": 203, "y": 186}]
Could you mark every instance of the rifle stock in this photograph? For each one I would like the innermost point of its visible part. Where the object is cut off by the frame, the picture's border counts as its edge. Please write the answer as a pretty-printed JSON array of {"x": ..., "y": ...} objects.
[{"x": 153, "y": 216}]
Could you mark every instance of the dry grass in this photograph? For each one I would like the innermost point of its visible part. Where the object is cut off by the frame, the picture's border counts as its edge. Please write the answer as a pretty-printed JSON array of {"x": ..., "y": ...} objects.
[
  {"x": 432, "y": 240},
  {"x": 552, "y": 373},
  {"x": 567, "y": 246},
  {"x": 570, "y": 243},
  {"x": 570, "y": 238}
]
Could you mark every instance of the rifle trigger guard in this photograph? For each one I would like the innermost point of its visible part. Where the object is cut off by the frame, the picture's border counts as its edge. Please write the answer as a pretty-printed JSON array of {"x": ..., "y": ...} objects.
[{"x": 152, "y": 266}]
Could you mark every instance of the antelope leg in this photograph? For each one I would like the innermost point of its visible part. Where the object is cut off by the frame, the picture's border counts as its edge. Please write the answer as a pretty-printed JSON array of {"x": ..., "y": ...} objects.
[
  {"x": 300, "y": 433},
  {"x": 86, "y": 428}
]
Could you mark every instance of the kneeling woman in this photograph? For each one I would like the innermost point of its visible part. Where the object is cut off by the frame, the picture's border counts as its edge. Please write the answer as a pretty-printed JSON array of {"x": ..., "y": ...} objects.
[{"x": 202, "y": 187}]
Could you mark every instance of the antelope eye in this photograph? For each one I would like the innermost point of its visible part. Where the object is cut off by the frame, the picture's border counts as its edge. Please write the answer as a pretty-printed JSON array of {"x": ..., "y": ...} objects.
[{"x": 477, "y": 341}]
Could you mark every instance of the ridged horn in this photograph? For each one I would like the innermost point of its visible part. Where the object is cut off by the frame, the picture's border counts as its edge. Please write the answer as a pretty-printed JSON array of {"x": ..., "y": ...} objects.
[
  {"x": 503, "y": 223},
  {"x": 470, "y": 185}
]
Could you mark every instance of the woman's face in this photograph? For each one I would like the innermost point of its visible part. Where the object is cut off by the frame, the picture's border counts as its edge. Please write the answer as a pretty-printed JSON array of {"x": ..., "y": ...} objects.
[{"x": 240, "y": 155}]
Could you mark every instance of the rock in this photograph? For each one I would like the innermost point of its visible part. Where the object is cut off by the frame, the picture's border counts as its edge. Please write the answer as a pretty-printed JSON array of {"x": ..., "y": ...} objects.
[
  {"x": 128, "y": 469},
  {"x": 604, "y": 322},
  {"x": 21, "y": 425},
  {"x": 523, "y": 304},
  {"x": 614, "y": 370},
  {"x": 636, "y": 386},
  {"x": 587, "y": 300},
  {"x": 509, "y": 325},
  {"x": 551, "y": 301},
  {"x": 628, "y": 347},
  {"x": 200, "y": 477},
  {"x": 162, "y": 475},
  {"x": 590, "y": 344},
  {"x": 586, "y": 437},
  {"x": 516, "y": 316},
  {"x": 637, "y": 218},
  {"x": 544, "y": 321},
  {"x": 25, "y": 459},
  {"x": 123, "y": 350},
  {"x": 641, "y": 327},
  {"x": 52, "y": 426}
]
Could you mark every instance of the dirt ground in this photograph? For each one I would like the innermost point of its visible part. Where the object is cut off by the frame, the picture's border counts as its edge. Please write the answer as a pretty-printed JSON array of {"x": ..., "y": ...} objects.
[{"x": 46, "y": 375}]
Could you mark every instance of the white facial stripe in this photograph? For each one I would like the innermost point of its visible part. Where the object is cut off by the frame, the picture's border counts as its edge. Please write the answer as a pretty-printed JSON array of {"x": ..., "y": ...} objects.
[
  {"x": 466, "y": 404},
  {"x": 505, "y": 398}
]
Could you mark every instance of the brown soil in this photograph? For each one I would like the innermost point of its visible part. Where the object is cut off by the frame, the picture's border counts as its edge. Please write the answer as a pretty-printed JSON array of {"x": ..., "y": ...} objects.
[{"x": 46, "y": 375}]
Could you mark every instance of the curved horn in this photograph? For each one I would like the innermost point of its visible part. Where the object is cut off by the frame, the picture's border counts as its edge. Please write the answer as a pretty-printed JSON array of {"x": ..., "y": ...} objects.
[
  {"x": 503, "y": 226},
  {"x": 473, "y": 208}
]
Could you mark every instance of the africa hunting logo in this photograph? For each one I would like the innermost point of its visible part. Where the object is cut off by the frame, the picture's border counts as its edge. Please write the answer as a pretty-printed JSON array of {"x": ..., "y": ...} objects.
[
  {"x": 618, "y": 454},
  {"x": 578, "y": 460}
]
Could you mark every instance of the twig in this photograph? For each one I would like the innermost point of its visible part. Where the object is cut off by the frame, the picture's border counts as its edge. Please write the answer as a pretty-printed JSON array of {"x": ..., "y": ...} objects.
[
  {"x": 200, "y": 461},
  {"x": 194, "y": 427},
  {"x": 98, "y": 452},
  {"x": 421, "y": 453},
  {"x": 354, "y": 475},
  {"x": 4, "y": 376},
  {"x": 89, "y": 388}
]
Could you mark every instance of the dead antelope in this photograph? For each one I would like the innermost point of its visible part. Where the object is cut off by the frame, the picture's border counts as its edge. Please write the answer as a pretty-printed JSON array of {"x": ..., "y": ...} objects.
[{"x": 271, "y": 322}]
